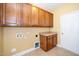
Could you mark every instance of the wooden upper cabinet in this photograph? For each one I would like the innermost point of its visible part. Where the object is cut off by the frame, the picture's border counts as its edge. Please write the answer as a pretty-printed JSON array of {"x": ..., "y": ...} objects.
[
  {"x": 48, "y": 19},
  {"x": 1, "y": 14},
  {"x": 17, "y": 14},
  {"x": 41, "y": 17},
  {"x": 35, "y": 16},
  {"x": 26, "y": 15},
  {"x": 12, "y": 14},
  {"x": 45, "y": 18},
  {"x": 30, "y": 15}
]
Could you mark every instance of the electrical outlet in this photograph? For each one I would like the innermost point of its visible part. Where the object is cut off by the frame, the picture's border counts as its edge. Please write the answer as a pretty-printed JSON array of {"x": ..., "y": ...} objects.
[
  {"x": 19, "y": 35},
  {"x": 13, "y": 50}
]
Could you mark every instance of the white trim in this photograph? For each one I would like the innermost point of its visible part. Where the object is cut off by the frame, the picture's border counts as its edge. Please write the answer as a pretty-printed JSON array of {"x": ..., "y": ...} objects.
[
  {"x": 68, "y": 49},
  {"x": 59, "y": 45},
  {"x": 25, "y": 52}
]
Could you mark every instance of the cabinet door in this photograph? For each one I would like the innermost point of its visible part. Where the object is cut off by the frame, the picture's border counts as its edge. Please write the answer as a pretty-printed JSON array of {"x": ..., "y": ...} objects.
[
  {"x": 49, "y": 42},
  {"x": 47, "y": 19},
  {"x": 12, "y": 14},
  {"x": 34, "y": 16},
  {"x": 43, "y": 42},
  {"x": 1, "y": 14},
  {"x": 55, "y": 39},
  {"x": 27, "y": 15},
  {"x": 19, "y": 14},
  {"x": 50, "y": 19},
  {"x": 41, "y": 17}
]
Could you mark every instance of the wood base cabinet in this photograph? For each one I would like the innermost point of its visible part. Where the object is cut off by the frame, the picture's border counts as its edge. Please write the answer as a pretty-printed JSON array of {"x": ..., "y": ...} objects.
[{"x": 48, "y": 42}]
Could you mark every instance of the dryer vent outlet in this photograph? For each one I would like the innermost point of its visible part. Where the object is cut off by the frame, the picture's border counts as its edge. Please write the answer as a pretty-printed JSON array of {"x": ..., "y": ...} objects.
[{"x": 36, "y": 44}]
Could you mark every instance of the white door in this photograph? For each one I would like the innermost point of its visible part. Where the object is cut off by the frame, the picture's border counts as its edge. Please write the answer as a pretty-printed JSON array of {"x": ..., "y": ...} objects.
[{"x": 69, "y": 28}]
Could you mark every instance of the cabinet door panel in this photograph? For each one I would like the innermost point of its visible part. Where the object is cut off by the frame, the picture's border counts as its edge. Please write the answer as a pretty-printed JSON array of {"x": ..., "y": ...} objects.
[
  {"x": 41, "y": 17},
  {"x": 43, "y": 42},
  {"x": 55, "y": 40},
  {"x": 1, "y": 14},
  {"x": 10, "y": 12},
  {"x": 27, "y": 12},
  {"x": 19, "y": 14},
  {"x": 34, "y": 16},
  {"x": 50, "y": 20},
  {"x": 49, "y": 43},
  {"x": 47, "y": 19}
]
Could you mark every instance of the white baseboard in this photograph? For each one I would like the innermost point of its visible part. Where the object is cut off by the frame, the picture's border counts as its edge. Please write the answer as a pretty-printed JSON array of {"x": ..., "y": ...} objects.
[
  {"x": 25, "y": 52},
  {"x": 32, "y": 49},
  {"x": 59, "y": 45},
  {"x": 68, "y": 49}
]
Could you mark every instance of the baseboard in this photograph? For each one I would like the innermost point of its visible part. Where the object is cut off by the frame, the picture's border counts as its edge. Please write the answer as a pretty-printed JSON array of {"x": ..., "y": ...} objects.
[
  {"x": 32, "y": 49},
  {"x": 58, "y": 45},
  {"x": 69, "y": 50},
  {"x": 25, "y": 52}
]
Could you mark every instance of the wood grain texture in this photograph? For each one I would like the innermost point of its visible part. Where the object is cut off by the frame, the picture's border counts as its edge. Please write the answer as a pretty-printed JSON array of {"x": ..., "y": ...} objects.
[
  {"x": 24, "y": 15},
  {"x": 1, "y": 13},
  {"x": 48, "y": 42},
  {"x": 41, "y": 17},
  {"x": 27, "y": 15}
]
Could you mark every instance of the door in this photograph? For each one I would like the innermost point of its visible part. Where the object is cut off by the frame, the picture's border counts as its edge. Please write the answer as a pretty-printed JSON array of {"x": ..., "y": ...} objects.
[
  {"x": 49, "y": 42},
  {"x": 55, "y": 39},
  {"x": 12, "y": 14},
  {"x": 47, "y": 19},
  {"x": 41, "y": 17},
  {"x": 50, "y": 19},
  {"x": 1, "y": 14},
  {"x": 34, "y": 16},
  {"x": 43, "y": 42},
  {"x": 27, "y": 12},
  {"x": 69, "y": 24}
]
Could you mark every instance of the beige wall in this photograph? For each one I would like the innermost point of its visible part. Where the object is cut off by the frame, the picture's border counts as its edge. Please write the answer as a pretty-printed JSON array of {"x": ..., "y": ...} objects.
[
  {"x": 66, "y": 8},
  {"x": 10, "y": 41},
  {"x": 0, "y": 41}
]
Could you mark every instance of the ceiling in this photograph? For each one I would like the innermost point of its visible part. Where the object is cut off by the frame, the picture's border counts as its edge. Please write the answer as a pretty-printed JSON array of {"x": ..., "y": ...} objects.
[{"x": 48, "y": 6}]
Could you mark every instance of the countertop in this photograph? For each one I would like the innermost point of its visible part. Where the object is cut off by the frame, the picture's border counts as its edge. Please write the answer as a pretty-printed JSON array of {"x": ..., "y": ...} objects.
[{"x": 48, "y": 33}]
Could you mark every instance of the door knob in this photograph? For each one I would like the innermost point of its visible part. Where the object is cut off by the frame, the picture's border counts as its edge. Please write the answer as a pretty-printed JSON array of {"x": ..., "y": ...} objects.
[{"x": 62, "y": 33}]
